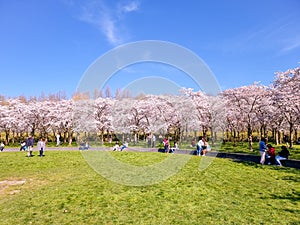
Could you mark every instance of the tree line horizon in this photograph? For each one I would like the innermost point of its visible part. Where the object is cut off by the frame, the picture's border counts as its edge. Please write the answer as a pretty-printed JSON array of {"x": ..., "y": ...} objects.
[{"x": 269, "y": 111}]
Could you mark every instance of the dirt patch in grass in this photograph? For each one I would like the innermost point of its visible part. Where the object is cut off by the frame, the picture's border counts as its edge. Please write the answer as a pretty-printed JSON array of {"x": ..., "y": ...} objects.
[{"x": 5, "y": 184}]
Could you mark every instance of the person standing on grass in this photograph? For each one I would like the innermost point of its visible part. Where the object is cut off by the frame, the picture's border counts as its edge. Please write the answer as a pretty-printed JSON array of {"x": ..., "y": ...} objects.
[
  {"x": 166, "y": 145},
  {"x": 204, "y": 147},
  {"x": 262, "y": 150},
  {"x": 153, "y": 141},
  {"x": 200, "y": 144},
  {"x": 57, "y": 140},
  {"x": 29, "y": 145},
  {"x": 149, "y": 140},
  {"x": 41, "y": 146}
]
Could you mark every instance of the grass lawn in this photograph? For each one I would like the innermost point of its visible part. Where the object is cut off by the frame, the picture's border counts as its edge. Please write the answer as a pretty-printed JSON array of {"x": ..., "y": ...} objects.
[{"x": 61, "y": 188}]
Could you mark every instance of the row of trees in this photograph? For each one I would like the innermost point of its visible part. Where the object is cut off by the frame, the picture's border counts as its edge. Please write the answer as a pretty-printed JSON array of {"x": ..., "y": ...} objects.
[{"x": 268, "y": 110}]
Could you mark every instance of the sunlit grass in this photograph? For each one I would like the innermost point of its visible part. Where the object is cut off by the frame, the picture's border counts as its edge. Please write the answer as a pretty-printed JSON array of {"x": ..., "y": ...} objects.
[{"x": 61, "y": 188}]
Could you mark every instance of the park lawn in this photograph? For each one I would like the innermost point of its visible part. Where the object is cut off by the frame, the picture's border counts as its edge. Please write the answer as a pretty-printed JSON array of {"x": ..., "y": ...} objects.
[{"x": 61, "y": 188}]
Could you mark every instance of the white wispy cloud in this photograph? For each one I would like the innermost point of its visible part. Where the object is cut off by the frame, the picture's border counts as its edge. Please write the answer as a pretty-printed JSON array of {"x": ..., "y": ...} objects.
[
  {"x": 131, "y": 7},
  {"x": 291, "y": 45},
  {"x": 108, "y": 18},
  {"x": 273, "y": 36}
]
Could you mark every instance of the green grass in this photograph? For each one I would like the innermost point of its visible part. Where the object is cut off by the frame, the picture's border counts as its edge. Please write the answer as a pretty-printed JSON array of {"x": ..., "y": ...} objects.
[{"x": 61, "y": 188}]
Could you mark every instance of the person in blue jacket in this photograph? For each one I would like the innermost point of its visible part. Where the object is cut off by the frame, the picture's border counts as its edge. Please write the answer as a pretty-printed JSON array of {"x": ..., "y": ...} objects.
[{"x": 262, "y": 150}]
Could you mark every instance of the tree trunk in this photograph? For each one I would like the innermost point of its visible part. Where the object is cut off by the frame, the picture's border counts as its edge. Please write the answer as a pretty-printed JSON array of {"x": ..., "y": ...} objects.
[
  {"x": 250, "y": 143},
  {"x": 70, "y": 136},
  {"x": 215, "y": 138},
  {"x": 6, "y": 137},
  {"x": 212, "y": 136},
  {"x": 33, "y": 131},
  {"x": 276, "y": 136},
  {"x": 264, "y": 131},
  {"x": 204, "y": 131},
  {"x": 249, "y": 130},
  {"x": 234, "y": 138},
  {"x": 291, "y": 135},
  {"x": 102, "y": 137},
  {"x": 135, "y": 138},
  {"x": 227, "y": 134},
  {"x": 13, "y": 137}
]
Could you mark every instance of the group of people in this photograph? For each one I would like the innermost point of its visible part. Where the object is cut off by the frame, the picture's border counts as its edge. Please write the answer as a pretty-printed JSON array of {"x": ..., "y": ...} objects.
[
  {"x": 167, "y": 148},
  {"x": 202, "y": 146},
  {"x": 84, "y": 146},
  {"x": 268, "y": 155},
  {"x": 28, "y": 146},
  {"x": 117, "y": 147},
  {"x": 151, "y": 141}
]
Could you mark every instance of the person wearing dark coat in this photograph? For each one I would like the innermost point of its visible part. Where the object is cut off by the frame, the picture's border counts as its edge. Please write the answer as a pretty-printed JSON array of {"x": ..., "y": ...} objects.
[{"x": 282, "y": 155}]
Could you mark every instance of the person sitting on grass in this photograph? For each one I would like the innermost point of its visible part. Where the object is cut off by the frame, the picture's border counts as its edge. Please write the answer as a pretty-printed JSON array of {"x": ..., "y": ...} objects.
[
  {"x": 23, "y": 146},
  {"x": 270, "y": 154},
  {"x": 2, "y": 146},
  {"x": 282, "y": 155},
  {"x": 174, "y": 148},
  {"x": 86, "y": 146},
  {"x": 116, "y": 147},
  {"x": 125, "y": 145}
]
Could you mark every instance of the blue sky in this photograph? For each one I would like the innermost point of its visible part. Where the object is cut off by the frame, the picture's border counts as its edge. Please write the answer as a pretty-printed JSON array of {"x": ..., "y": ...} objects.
[{"x": 46, "y": 46}]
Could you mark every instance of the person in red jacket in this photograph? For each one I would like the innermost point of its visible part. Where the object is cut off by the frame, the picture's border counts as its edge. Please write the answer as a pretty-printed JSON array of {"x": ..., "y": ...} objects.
[{"x": 271, "y": 154}]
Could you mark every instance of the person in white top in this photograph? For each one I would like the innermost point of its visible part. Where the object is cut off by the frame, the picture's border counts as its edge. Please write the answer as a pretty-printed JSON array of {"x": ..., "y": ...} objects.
[
  {"x": 2, "y": 146},
  {"x": 41, "y": 146},
  {"x": 200, "y": 145}
]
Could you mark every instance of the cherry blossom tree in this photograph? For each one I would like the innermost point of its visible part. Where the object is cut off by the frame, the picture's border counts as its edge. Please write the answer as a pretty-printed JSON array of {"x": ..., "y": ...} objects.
[
  {"x": 209, "y": 111},
  {"x": 249, "y": 108},
  {"x": 134, "y": 115},
  {"x": 5, "y": 120},
  {"x": 247, "y": 100},
  {"x": 199, "y": 100},
  {"x": 103, "y": 115},
  {"x": 18, "y": 127},
  {"x": 286, "y": 97}
]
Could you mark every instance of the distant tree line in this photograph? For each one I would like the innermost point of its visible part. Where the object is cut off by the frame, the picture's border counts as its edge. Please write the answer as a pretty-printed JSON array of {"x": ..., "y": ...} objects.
[{"x": 270, "y": 111}]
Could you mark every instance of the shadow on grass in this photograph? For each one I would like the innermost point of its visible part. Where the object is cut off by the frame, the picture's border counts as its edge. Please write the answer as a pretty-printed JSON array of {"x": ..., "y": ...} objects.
[
  {"x": 292, "y": 178},
  {"x": 293, "y": 197},
  {"x": 33, "y": 156},
  {"x": 246, "y": 163},
  {"x": 286, "y": 170}
]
